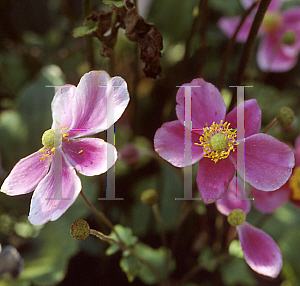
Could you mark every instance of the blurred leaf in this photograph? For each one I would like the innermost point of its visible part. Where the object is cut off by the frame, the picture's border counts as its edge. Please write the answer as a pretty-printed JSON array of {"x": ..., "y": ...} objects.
[
  {"x": 205, "y": 259},
  {"x": 117, "y": 3},
  {"x": 90, "y": 27},
  {"x": 236, "y": 271},
  {"x": 235, "y": 249},
  {"x": 126, "y": 236},
  {"x": 130, "y": 265},
  {"x": 157, "y": 258}
]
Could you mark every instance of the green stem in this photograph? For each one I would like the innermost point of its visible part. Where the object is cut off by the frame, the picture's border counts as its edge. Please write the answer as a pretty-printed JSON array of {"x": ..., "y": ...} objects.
[
  {"x": 270, "y": 125},
  {"x": 231, "y": 45}
]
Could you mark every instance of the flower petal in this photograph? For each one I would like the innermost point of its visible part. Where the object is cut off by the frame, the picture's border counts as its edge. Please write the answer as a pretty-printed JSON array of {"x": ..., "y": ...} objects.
[
  {"x": 169, "y": 144},
  {"x": 260, "y": 251},
  {"x": 229, "y": 26},
  {"x": 274, "y": 5},
  {"x": 55, "y": 193},
  {"x": 61, "y": 107},
  {"x": 268, "y": 162},
  {"x": 213, "y": 178},
  {"x": 26, "y": 174},
  {"x": 297, "y": 151},
  {"x": 90, "y": 156},
  {"x": 252, "y": 117},
  {"x": 270, "y": 55},
  {"x": 207, "y": 104},
  {"x": 99, "y": 103},
  {"x": 235, "y": 198},
  {"x": 268, "y": 202}
]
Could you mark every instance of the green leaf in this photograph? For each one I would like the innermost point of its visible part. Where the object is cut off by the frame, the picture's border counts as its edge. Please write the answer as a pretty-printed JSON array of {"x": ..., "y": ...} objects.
[
  {"x": 126, "y": 236},
  {"x": 130, "y": 265},
  {"x": 90, "y": 27},
  {"x": 157, "y": 258},
  {"x": 117, "y": 3}
]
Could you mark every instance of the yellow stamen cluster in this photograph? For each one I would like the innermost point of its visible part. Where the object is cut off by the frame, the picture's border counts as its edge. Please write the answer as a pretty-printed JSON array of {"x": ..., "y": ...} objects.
[
  {"x": 295, "y": 184},
  {"x": 271, "y": 21},
  {"x": 217, "y": 141}
]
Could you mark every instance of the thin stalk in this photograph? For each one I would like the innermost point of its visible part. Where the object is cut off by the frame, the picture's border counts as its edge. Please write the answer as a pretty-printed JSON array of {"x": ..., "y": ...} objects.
[
  {"x": 113, "y": 37},
  {"x": 231, "y": 45},
  {"x": 270, "y": 125}
]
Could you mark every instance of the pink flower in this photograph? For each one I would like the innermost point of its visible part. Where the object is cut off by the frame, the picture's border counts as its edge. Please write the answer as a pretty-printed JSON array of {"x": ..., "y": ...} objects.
[
  {"x": 280, "y": 32},
  {"x": 260, "y": 251},
  {"x": 268, "y": 202},
  {"x": 268, "y": 162},
  {"x": 51, "y": 171}
]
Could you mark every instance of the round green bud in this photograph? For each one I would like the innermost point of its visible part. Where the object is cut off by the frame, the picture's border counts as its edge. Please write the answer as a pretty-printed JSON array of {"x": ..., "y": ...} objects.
[
  {"x": 48, "y": 138},
  {"x": 80, "y": 229},
  {"x": 218, "y": 142},
  {"x": 289, "y": 37},
  {"x": 285, "y": 116},
  {"x": 236, "y": 217},
  {"x": 149, "y": 197}
]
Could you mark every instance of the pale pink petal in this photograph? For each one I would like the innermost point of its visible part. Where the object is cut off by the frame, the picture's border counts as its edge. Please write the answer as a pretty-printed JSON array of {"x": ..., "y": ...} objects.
[
  {"x": 90, "y": 156},
  {"x": 99, "y": 103},
  {"x": 268, "y": 202},
  {"x": 252, "y": 117},
  {"x": 207, "y": 104},
  {"x": 268, "y": 162},
  {"x": 235, "y": 198},
  {"x": 229, "y": 26},
  {"x": 213, "y": 178},
  {"x": 260, "y": 251},
  {"x": 61, "y": 107},
  {"x": 297, "y": 151},
  {"x": 270, "y": 56},
  {"x": 274, "y": 5},
  {"x": 55, "y": 193},
  {"x": 169, "y": 144},
  {"x": 26, "y": 174}
]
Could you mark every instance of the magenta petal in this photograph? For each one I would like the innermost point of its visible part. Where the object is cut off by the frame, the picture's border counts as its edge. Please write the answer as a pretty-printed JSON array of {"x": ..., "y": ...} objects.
[
  {"x": 229, "y": 26},
  {"x": 271, "y": 57},
  {"x": 297, "y": 151},
  {"x": 55, "y": 193},
  {"x": 252, "y": 117},
  {"x": 260, "y": 251},
  {"x": 62, "y": 107},
  {"x": 99, "y": 102},
  {"x": 230, "y": 200},
  {"x": 90, "y": 156},
  {"x": 213, "y": 178},
  {"x": 207, "y": 104},
  {"x": 26, "y": 175},
  {"x": 268, "y": 162},
  {"x": 268, "y": 202},
  {"x": 169, "y": 144}
]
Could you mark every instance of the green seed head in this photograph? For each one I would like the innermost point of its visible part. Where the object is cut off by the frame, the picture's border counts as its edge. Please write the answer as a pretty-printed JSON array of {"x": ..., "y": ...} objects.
[
  {"x": 236, "y": 217},
  {"x": 218, "y": 142},
  {"x": 48, "y": 138},
  {"x": 285, "y": 116},
  {"x": 289, "y": 38},
  {"x": 80, "y": 229},
  {"x": 149, "y": 197}
]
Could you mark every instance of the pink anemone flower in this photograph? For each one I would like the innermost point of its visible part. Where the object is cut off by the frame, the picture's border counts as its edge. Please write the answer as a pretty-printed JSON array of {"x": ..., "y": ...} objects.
[
  {"x": 260, "y": 251},
  {"x": 51, "y": 171},
  {"x": 268, "y": 162},
  {"x": 280, "y": 31},
  {"x": 268, "y": 202}
]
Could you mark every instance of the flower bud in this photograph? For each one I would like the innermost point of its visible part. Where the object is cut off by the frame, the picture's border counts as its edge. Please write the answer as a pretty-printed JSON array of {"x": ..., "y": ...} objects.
[
  {"x": 289, "y": 37},
  {"x": 80, "y": 229},
  {"x": 130, "y": 155},
  {"x": 149, "y": 197},
  {"x": 236, "y": 217},
  {"x": 285, "y": 116}
]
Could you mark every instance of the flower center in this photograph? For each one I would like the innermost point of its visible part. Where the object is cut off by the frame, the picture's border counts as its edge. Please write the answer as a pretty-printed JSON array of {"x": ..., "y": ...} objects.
[
  {"x": 217, "y": 141},
  {"x": 271, "y": 22},
  {"x": 236, "y": 217},
  {"x": 48, "y": 138},
  {"x": 289, "y": 37},
  {"x": 295, "y": 184}
]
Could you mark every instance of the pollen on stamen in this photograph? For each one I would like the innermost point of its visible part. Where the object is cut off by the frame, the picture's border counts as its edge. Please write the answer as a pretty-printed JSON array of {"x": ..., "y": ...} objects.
[
  {"x": 218, "y": 141},
  {"x": 80, "y": 151}
]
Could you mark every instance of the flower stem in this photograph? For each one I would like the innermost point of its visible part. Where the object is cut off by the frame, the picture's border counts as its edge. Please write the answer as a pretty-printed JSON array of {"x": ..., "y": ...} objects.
[
  {"x": 231, "y": 45},
  {"x": 270, "y": 125},
  {"x": 249, "y": 45}
]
